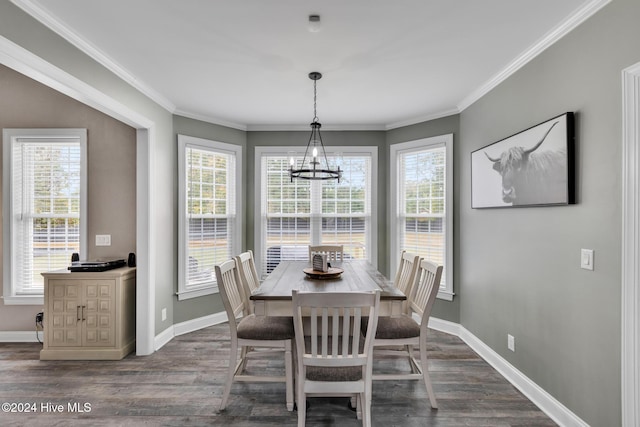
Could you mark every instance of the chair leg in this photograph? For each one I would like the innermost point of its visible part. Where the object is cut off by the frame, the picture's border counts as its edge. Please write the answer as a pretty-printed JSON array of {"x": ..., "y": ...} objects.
[
  {"x": 288, "y": 369},
  {"x": 243, "y": 358},
  {"x": 230, "y": 373},
  {"x": 302, "y": 410},
  {"x": 301, "y": 404},
  {"x": 425, "y": 372},
  {"x": 366, "y": 411},
  {"x": 415, "y": 369}
]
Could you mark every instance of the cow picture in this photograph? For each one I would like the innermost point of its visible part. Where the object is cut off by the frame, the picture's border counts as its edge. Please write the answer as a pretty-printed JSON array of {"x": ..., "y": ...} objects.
[{"x": 531, "y": 168}]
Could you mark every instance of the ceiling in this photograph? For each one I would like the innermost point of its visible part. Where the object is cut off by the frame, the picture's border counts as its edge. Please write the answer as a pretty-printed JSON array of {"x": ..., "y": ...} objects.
[{"x": 245, "y": 63}]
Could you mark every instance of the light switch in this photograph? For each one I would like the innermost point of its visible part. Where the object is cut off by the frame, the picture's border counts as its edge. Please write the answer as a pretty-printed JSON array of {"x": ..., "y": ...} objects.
[{"x": 586, "y": 259}]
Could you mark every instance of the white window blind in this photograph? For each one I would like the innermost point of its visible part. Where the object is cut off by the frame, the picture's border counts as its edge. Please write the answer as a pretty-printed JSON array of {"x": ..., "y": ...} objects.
[
  {"x": 346, "y": 208},
  {"x": 422, "y": 203},
  {"x": 209, "y": 213},
  {"x": 46, "y": 188},
  {"x": 297, "y": 214},
  {"x": 423, "y": 209}
]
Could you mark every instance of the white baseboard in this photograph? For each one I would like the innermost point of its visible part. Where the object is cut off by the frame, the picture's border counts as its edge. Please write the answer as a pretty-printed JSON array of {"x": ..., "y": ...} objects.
[
  {"x": 543, "y": 400},
  {"x": 444, "y": 326},
  {"x": 199, "y": 323},
  {"x": 189, "y": 326},
  {"x": 20, "y": 336},
  {"x": 163, "y": 338}
]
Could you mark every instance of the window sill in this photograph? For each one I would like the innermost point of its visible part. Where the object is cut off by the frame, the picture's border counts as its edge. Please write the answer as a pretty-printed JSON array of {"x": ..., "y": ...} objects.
[
  {"x": 445, "y": 295},
  {"x": 195, "y": 293},
  {"x": 24, "y": 300}
]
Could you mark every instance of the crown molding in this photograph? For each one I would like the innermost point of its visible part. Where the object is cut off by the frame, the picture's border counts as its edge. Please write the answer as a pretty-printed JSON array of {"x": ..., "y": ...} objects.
[
  {"x": 578, "y": 17},
  {"x": 53, "y": 23},
  {"x": 209, "y": 119},
  {"x": 422, "y": 119}
]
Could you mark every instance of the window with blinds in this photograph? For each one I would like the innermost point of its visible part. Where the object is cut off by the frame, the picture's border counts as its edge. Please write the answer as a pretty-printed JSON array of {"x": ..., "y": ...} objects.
[
  {"x": 208, "y": 220},
  {"x": 46, "y": 175},
  {"x": 422, "y": 202},
  {"x": 297, "y": 214}
]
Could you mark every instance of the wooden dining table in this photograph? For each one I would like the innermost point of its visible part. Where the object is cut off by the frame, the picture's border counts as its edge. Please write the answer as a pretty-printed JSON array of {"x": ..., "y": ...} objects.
[{"x": 273, "y": 297}]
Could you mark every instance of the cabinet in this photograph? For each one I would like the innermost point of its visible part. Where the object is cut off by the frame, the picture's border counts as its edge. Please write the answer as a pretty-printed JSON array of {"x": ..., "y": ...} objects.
[{"x": 89, "y": 316}]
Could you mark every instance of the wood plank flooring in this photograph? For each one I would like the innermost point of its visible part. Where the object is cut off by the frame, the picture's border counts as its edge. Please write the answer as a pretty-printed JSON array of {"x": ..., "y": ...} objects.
[{"x": 181, "y": 385}]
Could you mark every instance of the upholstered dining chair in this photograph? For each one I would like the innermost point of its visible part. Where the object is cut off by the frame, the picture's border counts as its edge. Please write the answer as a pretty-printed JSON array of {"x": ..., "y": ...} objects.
[
  {"x": 333, "y": 357},
  {"x": 248, "y": 275},
  {"x": 333, "y": 252},
  {"x": 404, "y": 331},
  {"x": 406, "y": 275},
  {"x": 249, "y": 332}
]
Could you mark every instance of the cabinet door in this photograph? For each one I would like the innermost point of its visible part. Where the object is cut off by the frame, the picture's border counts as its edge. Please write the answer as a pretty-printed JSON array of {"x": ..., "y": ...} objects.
[
  {"x": 64, "y": 312},
  {"x": 99, "y": 312}
]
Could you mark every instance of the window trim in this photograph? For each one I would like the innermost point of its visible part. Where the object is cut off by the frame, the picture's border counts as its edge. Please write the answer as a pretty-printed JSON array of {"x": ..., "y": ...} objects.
[
  {"x": 9, "y": 135},
  {"x": 260, "y": 151},
  {"x": 446, "y": 292},
  {"x": 184, "y": 142}
]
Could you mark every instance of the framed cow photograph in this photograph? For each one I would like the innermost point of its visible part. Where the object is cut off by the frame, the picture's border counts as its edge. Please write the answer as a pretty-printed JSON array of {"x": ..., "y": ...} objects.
[{"x": 534, "y": 167}]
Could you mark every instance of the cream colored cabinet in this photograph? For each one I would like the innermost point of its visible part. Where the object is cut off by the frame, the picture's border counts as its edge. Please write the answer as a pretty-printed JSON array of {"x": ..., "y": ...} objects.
[{"x": 89, "y": 316}]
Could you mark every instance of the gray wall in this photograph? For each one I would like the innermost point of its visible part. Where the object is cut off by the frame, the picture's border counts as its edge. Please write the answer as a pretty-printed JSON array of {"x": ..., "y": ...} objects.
[
  {"x": 203, "y": 306},
  {"x": 519, "y": 269},
  {"x": 111, "y": 164},
  {"x": 446, "y": 310}
]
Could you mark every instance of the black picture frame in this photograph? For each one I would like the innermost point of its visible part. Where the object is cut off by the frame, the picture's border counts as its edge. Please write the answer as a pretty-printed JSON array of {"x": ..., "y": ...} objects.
[{"x": 534, "y": 167}]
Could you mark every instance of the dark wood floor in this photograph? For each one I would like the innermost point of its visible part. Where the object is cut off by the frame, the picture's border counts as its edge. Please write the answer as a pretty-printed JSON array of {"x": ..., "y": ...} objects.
[{"x": 181, "y": 385}]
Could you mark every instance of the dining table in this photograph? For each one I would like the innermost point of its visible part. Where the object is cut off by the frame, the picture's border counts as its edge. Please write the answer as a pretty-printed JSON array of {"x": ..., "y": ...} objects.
[{"x": 273, "y": 296}]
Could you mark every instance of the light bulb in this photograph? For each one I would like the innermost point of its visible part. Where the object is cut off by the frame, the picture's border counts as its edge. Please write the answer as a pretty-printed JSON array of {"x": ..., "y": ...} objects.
[{"x": 315, "y": 152}]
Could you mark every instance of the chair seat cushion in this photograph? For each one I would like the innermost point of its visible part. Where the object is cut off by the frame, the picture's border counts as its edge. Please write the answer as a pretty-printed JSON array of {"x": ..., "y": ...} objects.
[
  {"x": 343, "y": 373},
  {"x": 254, "y": 327},
  {"x": 394, "y": 328}
]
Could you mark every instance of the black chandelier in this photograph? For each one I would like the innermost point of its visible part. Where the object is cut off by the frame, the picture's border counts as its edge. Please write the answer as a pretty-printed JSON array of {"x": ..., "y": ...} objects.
[{"x": 313, "y": 169}]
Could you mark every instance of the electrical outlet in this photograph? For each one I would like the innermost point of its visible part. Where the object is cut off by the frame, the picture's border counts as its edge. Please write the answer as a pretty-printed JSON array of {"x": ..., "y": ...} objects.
[
  {"x": 511, "y": 342},
  {"x": 164, "y": 314},
  {"x": 103, "y": 239}
]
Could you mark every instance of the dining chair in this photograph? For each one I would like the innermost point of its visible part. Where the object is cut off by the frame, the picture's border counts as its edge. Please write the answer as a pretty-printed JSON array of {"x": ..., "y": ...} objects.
[
  {"x": 406, "y": 275},
  {"x": 249, "y": 332},
  {"x": 333, "y": 357},
  {"x": 333, "y": 252},
  {"x": 406, "y": 332},
  {"x": 248, "y": 275}
]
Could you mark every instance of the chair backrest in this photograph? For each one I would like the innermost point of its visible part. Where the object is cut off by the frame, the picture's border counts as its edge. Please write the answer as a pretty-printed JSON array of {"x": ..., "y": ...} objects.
[
  {"x": 334, "y": 252},
  {"x": 231, "y": 291},
  {"x": 248, "y": 273},
  {"x": 426, "y": 289},
  {"x": 334, "y": 338},
  {"x": 407, "y": 273}
]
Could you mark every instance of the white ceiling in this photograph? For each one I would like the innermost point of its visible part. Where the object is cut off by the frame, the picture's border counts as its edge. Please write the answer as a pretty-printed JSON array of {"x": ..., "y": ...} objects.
[{"x": 244, "y": 63}]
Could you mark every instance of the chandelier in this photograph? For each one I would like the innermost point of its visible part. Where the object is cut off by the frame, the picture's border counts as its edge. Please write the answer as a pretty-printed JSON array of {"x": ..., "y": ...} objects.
[{"x": 313, "y": 167}]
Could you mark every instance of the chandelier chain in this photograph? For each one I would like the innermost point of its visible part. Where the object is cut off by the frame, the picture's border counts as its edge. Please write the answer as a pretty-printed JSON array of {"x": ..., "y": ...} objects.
[{"x": 315, "y": 101}]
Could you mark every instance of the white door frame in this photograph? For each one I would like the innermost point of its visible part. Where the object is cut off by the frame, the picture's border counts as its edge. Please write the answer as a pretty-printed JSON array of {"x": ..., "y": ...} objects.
[
  {"x": 34, "y": 67},
  {"x": 630, "y": 351}
]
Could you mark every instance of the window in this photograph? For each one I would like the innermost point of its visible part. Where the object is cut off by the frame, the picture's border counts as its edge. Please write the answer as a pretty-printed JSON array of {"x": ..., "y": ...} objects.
[
  {"x": 44, "y": 207},
  {"x": 294, "y": 215},
  {"x": 422, "y": 204},
  {"x": 209, "y": 231}
]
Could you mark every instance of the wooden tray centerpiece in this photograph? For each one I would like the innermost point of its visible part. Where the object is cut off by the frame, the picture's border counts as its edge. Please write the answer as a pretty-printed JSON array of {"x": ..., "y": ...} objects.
[{"x": 332, "y": 273}]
